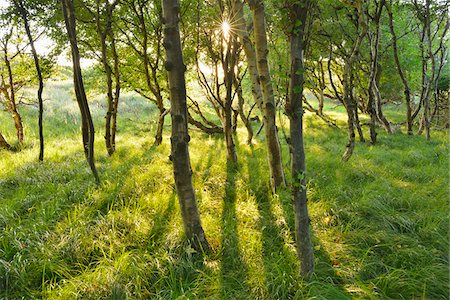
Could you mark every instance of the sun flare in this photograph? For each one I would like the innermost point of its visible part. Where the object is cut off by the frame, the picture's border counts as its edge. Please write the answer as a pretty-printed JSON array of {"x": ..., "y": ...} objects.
[{"x": 226, "y": 27}]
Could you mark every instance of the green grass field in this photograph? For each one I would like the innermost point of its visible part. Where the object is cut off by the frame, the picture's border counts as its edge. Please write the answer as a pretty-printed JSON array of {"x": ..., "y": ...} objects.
[{"x": 380, "y": 221}]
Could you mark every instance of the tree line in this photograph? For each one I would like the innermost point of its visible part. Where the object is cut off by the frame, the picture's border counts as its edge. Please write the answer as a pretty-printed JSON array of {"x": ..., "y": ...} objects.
[{"x": 252, "y": 61}]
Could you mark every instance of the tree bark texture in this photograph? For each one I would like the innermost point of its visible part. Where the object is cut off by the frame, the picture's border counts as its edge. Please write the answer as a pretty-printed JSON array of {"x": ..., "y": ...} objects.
[
  {"x": 87, "y": 126},
  {"x": 180, "y": 138},
  {"x": 269, "y": 107},
  {"x": 294, "y": 109}
]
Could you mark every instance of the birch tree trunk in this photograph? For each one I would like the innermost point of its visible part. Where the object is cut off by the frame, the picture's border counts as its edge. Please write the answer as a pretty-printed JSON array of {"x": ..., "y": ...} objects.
[
  {"x": 349, "y": 104},
  {"x": 249, "y": 50},
  {"x": 269, "y": 107},
  {"x": 23, "y": 13},
  {"x": 87, "y": 126},
  {"x": 294, "y": 108},
  {"x": 407, "y": 91},
  {"x": 180, "y": 138}
]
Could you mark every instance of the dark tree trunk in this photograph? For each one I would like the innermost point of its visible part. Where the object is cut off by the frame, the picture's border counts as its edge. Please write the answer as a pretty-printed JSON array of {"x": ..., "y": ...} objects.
[
  {"x": 206, "y": 129},
  {"x": 228, "y": 67},
  {"x": 3, "y": 143},
  {"x": 407, "y": 91},
  {"x": 374, "y": 40},
  {"x": 180, "y": 138},
  {"x": 242, "y": 115},
  {"x": 24, "y": 15},
  {"x": 294, "y": 109},
  {"x": 354, "y": 100},
  {"x": 116, "y": 92},
  {"x": 159, "y": 131},
  {"x": 349, "y": 104},
  {"x": 87, "y": 126},
  {"x": 269, "y": 107},
  {"x": 105, "y": 32},
  {"x": 380, "y": 115}
]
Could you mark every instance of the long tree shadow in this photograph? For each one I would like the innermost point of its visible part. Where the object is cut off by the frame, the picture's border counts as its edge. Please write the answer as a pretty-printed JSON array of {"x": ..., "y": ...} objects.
[
  {"x": 234, "y": 270},
  {"x": 279, "y": 262}
]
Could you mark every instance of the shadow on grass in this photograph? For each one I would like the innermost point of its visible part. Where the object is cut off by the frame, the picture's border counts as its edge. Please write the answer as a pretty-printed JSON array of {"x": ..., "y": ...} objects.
[
  {"x": 280, "y": 263},
  {"x": 41, "y": 196},
  {"x": 234, "y": 270},
  {"x": 161, "y": 222}
]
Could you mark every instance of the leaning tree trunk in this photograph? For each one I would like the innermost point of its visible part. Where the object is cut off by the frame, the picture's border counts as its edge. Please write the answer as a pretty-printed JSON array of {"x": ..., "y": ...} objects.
[
  {"x": 87, "y": 126},
  {"x": 24, "y": 15},
  {"x": 3, "y": 143},
  {"x": 407, "y": 91},
  {"x": 249, "y": 50},
  {"x": 294, "y": 109},
  {"x": 180, "y": 137},
  {"x": 269, "y": 107}
]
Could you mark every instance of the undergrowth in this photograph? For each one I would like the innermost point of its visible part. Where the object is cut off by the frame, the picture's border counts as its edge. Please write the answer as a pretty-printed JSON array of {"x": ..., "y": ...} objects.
[{"x": 379, "y": 221}]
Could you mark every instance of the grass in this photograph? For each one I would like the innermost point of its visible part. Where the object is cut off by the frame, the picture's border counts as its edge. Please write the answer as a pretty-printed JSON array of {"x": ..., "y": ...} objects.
[{"x": 380, "y": 221}]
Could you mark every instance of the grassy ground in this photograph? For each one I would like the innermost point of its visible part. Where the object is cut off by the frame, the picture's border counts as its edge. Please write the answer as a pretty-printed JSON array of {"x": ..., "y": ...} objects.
[{"x": 380, "y": 221}]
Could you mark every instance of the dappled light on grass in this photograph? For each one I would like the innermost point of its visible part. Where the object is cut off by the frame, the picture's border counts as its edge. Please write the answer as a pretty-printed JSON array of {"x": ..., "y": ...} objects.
[{"x": 379, "y": 221}]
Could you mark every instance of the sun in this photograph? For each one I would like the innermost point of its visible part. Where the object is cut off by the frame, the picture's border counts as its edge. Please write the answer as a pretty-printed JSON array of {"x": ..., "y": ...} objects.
[{"x": 226, "y": 28}]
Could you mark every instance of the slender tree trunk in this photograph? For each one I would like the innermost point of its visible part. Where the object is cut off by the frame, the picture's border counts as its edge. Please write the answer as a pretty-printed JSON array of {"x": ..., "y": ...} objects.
[
  {"x": 349, "y": 104},
  {"x": 407, "y": 91},
  {"x": 228, "y": 66},
  {"x": 354, "y": 100},
  {"x": 180, "y": 138},
  {"x": 374, "y": 43},
  {"x": 269, "y": 107},
  {"x": 242, "y": 115},
  {"x": 295, "y": 112},
  {"x": 105, "y": 31},
  {"x": 380, "y": 115},
  {"x": 3, "y": 143},
  {"x": 159, "y": 130},
  {"x": 87, "y": 126},
  {"x": 24, "y": 15},
  {"x": 12, "y": 100},
  {"x": 322, "y": 88},
  {"x": 116, "y": 91},
  {"x": 372, "y": 114},
  {"x": 249, "y": 50}
]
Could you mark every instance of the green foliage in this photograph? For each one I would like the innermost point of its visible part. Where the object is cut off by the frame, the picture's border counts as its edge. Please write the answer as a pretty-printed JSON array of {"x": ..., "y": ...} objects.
[{"x": 379, "y": 221}]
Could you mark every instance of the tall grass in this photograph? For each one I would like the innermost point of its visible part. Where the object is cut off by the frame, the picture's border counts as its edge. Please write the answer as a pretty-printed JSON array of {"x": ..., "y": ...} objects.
[{"x": 380, "y": 221}]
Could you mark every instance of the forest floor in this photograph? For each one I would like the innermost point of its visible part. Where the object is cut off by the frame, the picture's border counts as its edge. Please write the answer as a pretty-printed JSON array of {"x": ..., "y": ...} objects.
[{"x": 379, "y": 221}]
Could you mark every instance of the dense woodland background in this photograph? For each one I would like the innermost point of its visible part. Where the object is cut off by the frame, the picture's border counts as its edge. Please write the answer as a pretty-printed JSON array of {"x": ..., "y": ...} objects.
[{"x": 317, "y": 158}]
